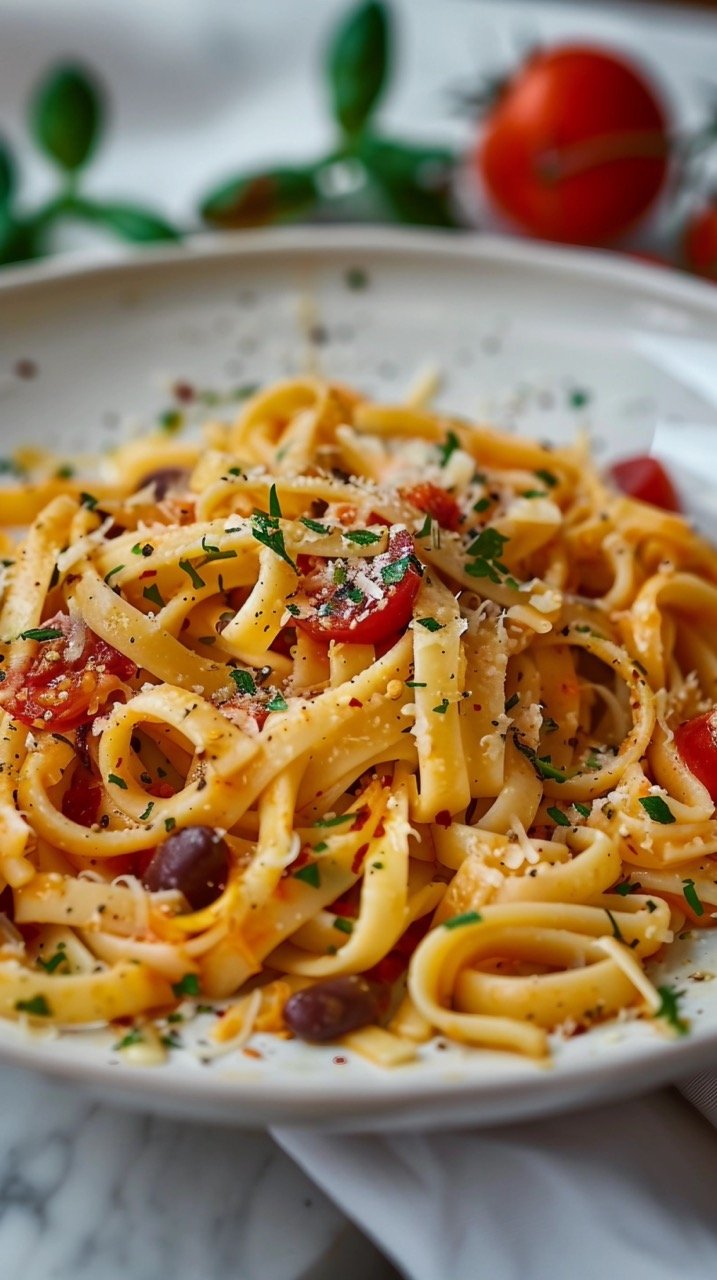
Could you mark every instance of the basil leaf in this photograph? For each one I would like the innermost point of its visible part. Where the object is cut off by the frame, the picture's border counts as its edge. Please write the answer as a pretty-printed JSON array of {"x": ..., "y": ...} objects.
[
  {"x": 358, "y": 64},
  {"x": 255, "y": 199},
  {"x": 66, "y": 116},
  {"x": 128, "y": 221},
  {"x": 416, "y": 181},
  {"x": 19, "y": 238},
  {"x": 7, "y": 173},
  {"x": 656, "y": 808}
]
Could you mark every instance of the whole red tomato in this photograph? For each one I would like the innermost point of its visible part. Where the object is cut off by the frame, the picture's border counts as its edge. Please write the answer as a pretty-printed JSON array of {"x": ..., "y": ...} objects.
[
  {"x": 701, "y": 242},
  {"x": 576, "y": 147}
]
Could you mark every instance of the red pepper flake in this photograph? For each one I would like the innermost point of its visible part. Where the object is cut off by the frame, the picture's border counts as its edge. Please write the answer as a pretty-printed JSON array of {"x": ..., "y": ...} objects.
[
  {"x": 355, "y": 703},
  {"x": 358, "y": 858},
  {"x": 380, "y": 829},
  {"x": 362, "y": 816},
  {"x": 477, "y": 706},
  {"x": 443, "y": 818},
  {"x": 25, "y": 369},
  {"x": 183, "y": 391},
  {"x": 148, "y": 573},
  {"x": 340, "y": 1061}
]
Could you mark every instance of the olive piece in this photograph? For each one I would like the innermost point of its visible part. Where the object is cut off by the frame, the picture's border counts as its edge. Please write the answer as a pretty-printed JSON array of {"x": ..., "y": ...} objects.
[
  {"x": 164, "y": 480},
  {"x": 330, "y": 1009},
  {"x": 195, "y": 861}
]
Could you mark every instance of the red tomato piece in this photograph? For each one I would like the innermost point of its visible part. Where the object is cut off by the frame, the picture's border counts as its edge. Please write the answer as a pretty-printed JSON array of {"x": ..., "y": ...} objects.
[
  {"x": 347, "y": 611},
  {"x": 696, "y": 741},
  {"x": 700, "y": 244},
  {"x": 69, "y": 678},
  {"x": 576, "y": 147},
  {"x": 645, "y": 478},
  {"x": 436, "y": 502}
]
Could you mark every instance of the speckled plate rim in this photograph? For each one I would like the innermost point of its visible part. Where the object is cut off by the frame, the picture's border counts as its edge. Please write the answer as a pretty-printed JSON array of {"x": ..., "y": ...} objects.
[{"x": 408, "y": 1097}]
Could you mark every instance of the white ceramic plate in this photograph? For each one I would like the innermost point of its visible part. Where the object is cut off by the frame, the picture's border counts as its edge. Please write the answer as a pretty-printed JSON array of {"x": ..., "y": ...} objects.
[{"x": 539, "y": 339}]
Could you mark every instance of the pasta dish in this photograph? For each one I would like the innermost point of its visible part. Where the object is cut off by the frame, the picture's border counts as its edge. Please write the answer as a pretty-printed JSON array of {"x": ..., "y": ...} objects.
[{"x": 352, "y": 722}]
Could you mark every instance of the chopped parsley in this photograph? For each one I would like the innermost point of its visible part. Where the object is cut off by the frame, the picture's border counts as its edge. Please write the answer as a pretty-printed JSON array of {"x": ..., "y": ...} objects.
[
  {"x": 559, "y": 817},
  {"x": 542, "y": 764},
  {"x": 425, "y": 529},
  {"x": 277, "y": 703},
  {"x": 274, "y": 504},
  {"x": 336, "y": 821},
  {"x": 415, "y": 684},
  {"x": 294, "y": 610},
  {"x": 395, "y": 570},
  {"x": 215, "y": 553},
  {"x": 356, "y": 278},
  {"x": 88, "y": 500},
  {"x": 670, "y": 1009},
  {"x": 37, "y": 1007},
  {"x": 583, "y": 809},
  {"x": 169, "y": 823},
  {"x": 343, "y": 925},
  {"x": 55, "y": 961},
  {"x": 442, "y": 708},
  {"x": 154, "y": 596},
  {"x": 188, "y": 985},
  {"x": 133, "y": 1037},
  {"x": 142, "y": 549},
  {"x": 196, "y": 579},
  {"x": 487, "y": 549},
  {"x": 362, "y": 537},
  {"x": 41, "y": 633},
  {"x": 143, "y": 817},
  {"x": 244, "y": 681},
  {"x": 468, "y": 917},
  {"x": 116, "y": 781},
  {"x": 481, "y": 505},
  {"x": 314, "y": 525},
  {"x": 431, "y": 624},
  {"x": 355, "y": 595},
  {"x": 625, "y": 888},
  {"x": 616, "y": 932},
  {"x": 656, "y": 809},
  {"x": 266, "y": 531},
  {"x": 117, "y": 569},
  {"x": 170, "y": 420},
  {"x": 448, "y": 448},
  {"x": 547, "y": 478},
  {"x": 690, "y": 895},
  {"x": 310, "y": 874}
]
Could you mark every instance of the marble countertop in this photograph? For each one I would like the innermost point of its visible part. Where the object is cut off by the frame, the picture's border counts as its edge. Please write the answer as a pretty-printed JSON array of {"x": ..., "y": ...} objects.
[{"x": 90, "y": 1193}]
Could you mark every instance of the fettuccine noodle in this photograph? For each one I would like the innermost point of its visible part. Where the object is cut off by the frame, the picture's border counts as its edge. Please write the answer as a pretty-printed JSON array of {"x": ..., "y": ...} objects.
[{"x": 350, "y": 691}]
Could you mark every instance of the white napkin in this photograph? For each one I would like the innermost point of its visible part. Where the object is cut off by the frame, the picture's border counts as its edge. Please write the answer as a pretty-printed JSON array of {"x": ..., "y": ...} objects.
[{"x": 623, "y": 1193}]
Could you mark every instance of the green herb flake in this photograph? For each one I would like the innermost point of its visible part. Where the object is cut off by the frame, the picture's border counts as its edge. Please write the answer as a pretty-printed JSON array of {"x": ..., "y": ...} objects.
[
  {"x": 625, "y": 888},
  {"x": 691, "y": 898},
  {"x": 547, "y": 478},
  {"x": 656, "y": 809},
  {"x": 65, "y": 472},
  {"x": 116, "y": 781},
  {"x": 277, "y": 703},
  {"x": 448, "y": 448},
  {"x": 549, "y": 725},
  {"x": 559, "y": 817},
  {"x": 396, "y": 570},
  {"x": 578, "y": 398},
  {"x": 355, "y": 595},
  {"x": 170, "y": 420},
  {"x": 321, "y": 847},
  {"x": 265, "y": 531},
  {"x": 169, "y": 823},
  {"x": 309, "y": 874},
  {"x": 37, "y": 1007},
  {"x": 41, "y": 633},
  {"x": 188, "y": 985},
  {"x": 336, "y": 821},
  {"x": 534, "y": 493},
  {"x": 294, "y": 610},
  {"x": 196, "y": 580},
  {"x": 112, "y": 573},
  {"x": 583, "y": 809},
  {"x": 542, "y": 764},
  {"x": 356, "y": 278},
  {"x": 343, "y": 925},
  {"x": 481, "y": 505},
  {"x": 362, "y": 537},
  {"x": 442, "y": 708},
  {"x": 133, "y": 1037},
  {"x": 415, "y": 684},
  {"x": 244, "y": 681},
  {"x": 51, "y": 965},
  {"x": 144, "y": 817},
  {"x": 315, "y": 526},
  {"x": 468, "y": 917},
  {"x": 154, "y": 596},
  {"x": 616, "y": 933},
  {"x": 425, "y": 529},
  {"x": 431, "y": 624},
  {"x": 274, "y": 504},
  {"x": 88, "y": 500},
  {"x": 670, "y": 1009}
]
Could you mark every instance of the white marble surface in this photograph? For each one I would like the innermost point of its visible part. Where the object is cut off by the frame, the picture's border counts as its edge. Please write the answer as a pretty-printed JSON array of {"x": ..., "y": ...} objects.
[{"x": 89, "y": 1193}]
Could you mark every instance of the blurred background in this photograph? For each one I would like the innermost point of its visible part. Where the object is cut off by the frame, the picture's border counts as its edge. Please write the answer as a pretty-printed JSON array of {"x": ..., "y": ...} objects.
[{"x": 125, "y": 122}]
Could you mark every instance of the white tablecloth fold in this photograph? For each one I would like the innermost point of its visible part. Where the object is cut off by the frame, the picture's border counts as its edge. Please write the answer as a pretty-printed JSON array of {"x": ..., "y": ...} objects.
[{"x": 626, "y": 1192}]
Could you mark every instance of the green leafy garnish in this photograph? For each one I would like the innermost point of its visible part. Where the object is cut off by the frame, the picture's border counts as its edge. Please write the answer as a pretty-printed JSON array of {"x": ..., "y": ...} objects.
[
  {"x": 314, "y": 525},
  {"x": 442, "y": 708},
  {"x": 448, "y": 448},
  {"x": 343, "y": 924},
  {"x": 670, "y": 1009},
  {"x": 66, "y": 116},
  {"x": 274, "y": 504},
  {"x": 468, "y": 917},
  {"x": 362, "y": 537},
  {"x": 616, "y": 933},
  {"x": 244, "y": 681},
  {"x": 691, "y": 898},
  {"x": 169, "y": 823},
  {"x": 41, "y": 633},
  {"x": 266, "y": 531},
  {"x": 188, "y": 985},
  {"x": 310, "y": 874},
  {"x": 336, "y": 821},
  {"x": 415, "y": 684},
  {"x": 547, "y": 478},
  {"x": 395, "y": 570},
  {"x": 51, "y": 965},
  {"x": 425, "y": 529},
  {"x": 656, "y": 809},
  {"x": 583, "y": 809},
  {"x": 134, "y": 1036},
  {"x": 277, "y": 703},
  {"x": 559, "y": 817},
  {"x": 116, "y": 781},
  {"x": 154, "y": 596},
  {"x": 431, "y": 624},
  {"x": 143, "y": 817},
  {"x": 117, "y": 569},
  {"x": 542, "y": 764},
  {"x": 37, "y": 1007},
  {"x": 88, "y": 500},
  {"x": 196, "y": 580},
  {"x": 481, "y": 505}
]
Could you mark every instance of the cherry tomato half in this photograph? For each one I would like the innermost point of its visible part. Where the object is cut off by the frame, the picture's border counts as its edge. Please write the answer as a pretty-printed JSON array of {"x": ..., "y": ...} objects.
[
  {"x": 68, "y": 679},
  {"x": 436, "y": 502},
  {"x": 576, "y": 147},
  {"x": 347, "y": 610},
  {"x": 645, "y": 478},
  {"x": 696, "y": 741}
]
